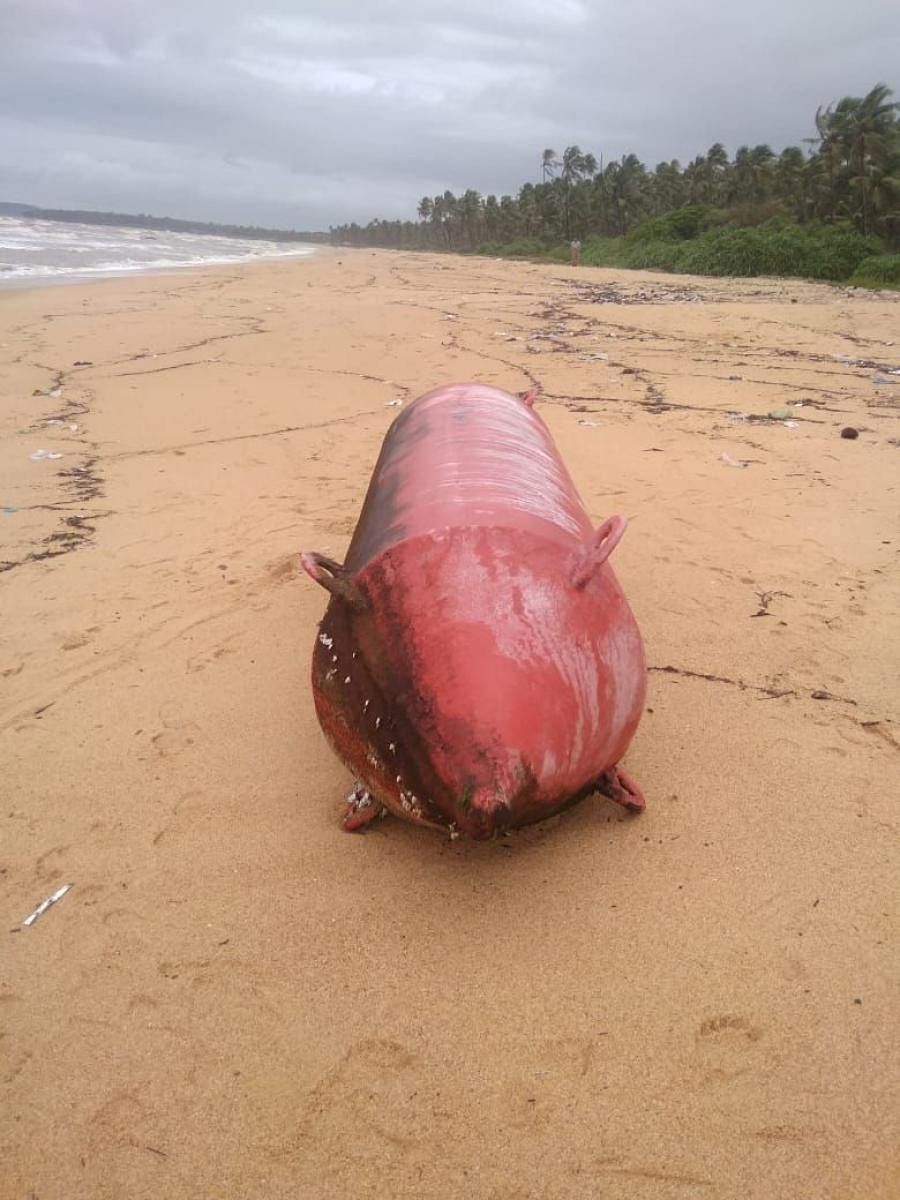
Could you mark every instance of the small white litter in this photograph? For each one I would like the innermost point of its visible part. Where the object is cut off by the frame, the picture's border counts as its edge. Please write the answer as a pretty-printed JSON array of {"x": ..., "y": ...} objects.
[
  {"x": 40, "y": 455},
  {"x": 45, "y": 904}
]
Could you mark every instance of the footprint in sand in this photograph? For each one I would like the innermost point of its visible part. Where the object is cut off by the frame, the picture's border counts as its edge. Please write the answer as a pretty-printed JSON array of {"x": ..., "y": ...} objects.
[
  {"x": 46, "y": 867},
  {"x": 728, "y": 1046},
  {"x": 76, "y": 640},
  {"x": 189, "y": 807},
  {"x": 170, "y": 742},
  {"x": 16, "y": 1065},
  {"x": 177, "y": 734},
  {"x": 124, "y": 1120},
  {"x": 203, "y": 659},
  {"x": 364, "y": 1105},
  {"x": 567, "y": 1057},
  {"x": 282, "y": 569},
  {"x": 728, "y": 1026}
]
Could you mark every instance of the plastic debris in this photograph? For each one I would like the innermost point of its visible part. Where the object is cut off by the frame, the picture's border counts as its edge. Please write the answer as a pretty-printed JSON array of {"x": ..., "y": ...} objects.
[
  {"x": 393, "y": 403},
  {"x": 779, "y": 414},
  {"x": 734, "y": 462},
  {"x": 40, "y": 455},
  {"x": 52, "y": 899}
]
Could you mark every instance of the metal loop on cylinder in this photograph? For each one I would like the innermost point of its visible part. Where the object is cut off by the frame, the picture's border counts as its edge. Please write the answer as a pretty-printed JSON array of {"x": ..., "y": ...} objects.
[
  {"x": 601, "y": 546},
  {"x": 333, "y": 577}
]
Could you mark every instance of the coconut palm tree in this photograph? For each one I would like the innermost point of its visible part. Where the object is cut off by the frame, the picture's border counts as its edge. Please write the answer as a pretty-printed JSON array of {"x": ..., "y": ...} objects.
[
  {"x": 667, "y": 187},
  {"x": 470, "y": 215},
  {"x": 761, "y": 159},
  {"x": 576, "y": 165},
  {"x": 789, "y": 179},
  {"x": 550, "y": 164},
  {"x": 716, "y": 172},
  {"x": 696, "y": 181},
  {"x": 740, "y": 184},
  {"x": 853, "y": 172},
  {"x": 865, "y": 128},
  {"x": 491, "y": 217},
  {"x": 510, "y": 216},
  {"x": 857, "y": 137}
]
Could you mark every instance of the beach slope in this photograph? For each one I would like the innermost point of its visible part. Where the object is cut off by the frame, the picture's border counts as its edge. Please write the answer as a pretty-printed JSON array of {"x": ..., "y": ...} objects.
[{"x": 237, "y": 999}]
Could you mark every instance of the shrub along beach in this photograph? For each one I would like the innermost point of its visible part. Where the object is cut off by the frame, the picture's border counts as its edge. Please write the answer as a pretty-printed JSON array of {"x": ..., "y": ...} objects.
[{"x": 830, "y": 211}]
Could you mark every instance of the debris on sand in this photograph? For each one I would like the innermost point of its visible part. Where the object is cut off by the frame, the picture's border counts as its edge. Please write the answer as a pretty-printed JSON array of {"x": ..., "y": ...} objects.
[{"x": 52, "y": 899}]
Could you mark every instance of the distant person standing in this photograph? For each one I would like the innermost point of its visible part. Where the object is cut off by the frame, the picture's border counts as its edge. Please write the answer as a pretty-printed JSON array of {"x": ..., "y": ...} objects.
[{"x": 575, "y": 248}]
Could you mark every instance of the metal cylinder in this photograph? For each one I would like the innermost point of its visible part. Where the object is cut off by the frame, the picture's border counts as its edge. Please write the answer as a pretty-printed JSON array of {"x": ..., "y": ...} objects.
[{"x": 478, "y": 666}]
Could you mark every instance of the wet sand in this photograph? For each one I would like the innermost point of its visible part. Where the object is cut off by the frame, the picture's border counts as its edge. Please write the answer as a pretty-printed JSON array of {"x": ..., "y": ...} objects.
[{"x": 237, "y": 999}]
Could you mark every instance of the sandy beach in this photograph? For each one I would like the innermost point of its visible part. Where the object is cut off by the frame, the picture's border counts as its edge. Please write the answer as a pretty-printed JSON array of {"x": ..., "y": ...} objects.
[{"x": 238, "y": 999}]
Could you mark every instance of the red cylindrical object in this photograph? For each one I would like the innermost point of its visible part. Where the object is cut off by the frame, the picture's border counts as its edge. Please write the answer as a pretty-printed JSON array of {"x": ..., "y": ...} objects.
[{"x": 478, "y": 666}]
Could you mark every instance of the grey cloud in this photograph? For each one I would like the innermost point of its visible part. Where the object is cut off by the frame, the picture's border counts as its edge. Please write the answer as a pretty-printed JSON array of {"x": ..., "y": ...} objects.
[{"x": 315, "y": 113}]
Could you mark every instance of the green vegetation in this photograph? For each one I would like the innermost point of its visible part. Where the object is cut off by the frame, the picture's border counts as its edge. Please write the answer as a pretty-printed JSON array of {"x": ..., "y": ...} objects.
[
  {"x": 879, "y": 271},
  {"x": 777, "y": 247},
  {"x": 829, "y": 212},
  {"x": 532, "y": 248}
]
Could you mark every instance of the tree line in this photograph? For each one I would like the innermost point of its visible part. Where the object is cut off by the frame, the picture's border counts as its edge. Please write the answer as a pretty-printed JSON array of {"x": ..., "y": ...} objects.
[{"x": 848, "y": 171}]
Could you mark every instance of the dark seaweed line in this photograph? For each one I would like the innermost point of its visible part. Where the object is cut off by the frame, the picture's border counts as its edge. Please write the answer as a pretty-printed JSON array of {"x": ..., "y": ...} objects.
[{"x": 770, "y": 692}]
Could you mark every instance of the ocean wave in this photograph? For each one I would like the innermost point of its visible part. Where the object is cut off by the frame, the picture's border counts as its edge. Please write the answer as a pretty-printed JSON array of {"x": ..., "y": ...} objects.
[{"x": 47, "y": 250}]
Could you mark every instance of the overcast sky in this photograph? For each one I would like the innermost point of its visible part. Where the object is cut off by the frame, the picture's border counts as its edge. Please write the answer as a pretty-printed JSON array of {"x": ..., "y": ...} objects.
[{"x": 305, "y": 113}]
